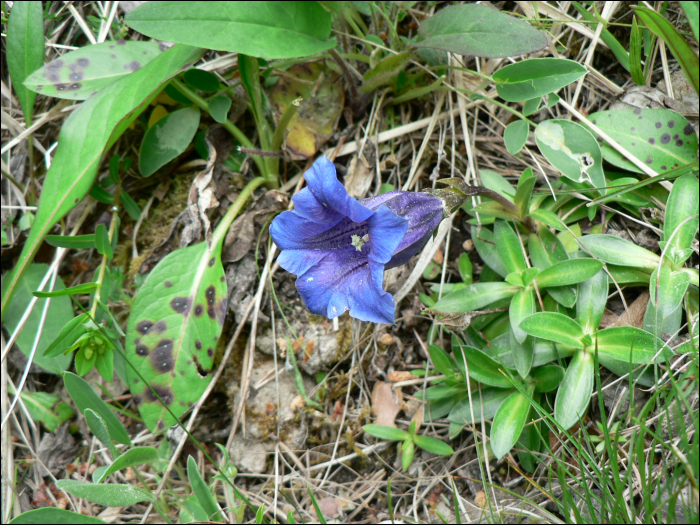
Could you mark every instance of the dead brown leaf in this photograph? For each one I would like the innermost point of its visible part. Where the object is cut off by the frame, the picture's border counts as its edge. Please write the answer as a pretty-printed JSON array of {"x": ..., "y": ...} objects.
[{"x": 386, "y": 403}]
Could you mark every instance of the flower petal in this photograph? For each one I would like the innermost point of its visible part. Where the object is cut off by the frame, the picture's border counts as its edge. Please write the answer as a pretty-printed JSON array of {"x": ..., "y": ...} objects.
[
  {"x": 290, "y": 231},
  {"x": 386, "y": 231},
  {"x": 324, "y": 185},
  {"x": 309, "y": 207}
]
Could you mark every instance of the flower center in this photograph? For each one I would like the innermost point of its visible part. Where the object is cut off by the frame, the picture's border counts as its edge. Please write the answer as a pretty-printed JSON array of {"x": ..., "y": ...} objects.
[{"x": 358, "y": 242}]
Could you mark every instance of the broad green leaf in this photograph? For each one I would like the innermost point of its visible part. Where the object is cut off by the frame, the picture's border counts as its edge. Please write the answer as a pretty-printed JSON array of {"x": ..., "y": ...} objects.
[
  {"x": 102, "y": 241},
  {"x": 486, "y": 248},
  {"x": 485, "y": 405},
  {"x": 508, "y": 246},
  {"x": 545, "y": 250},
  {"x": 526, "y": 183},
  {"x": 75, "y": 290},
  {"x": 479, "y": 30},
  {"x": 85, "y": 397},
  {"x": 202, "y": 80},
  {"x": 515, "y": 136},
  {"x": 682, "y": 210},
  {"x": 433, "y": 445},
  {"x": 549, "y": 218},
  {"x": 481, "y": 367},
  {"x": 99, "y": 428},
  {"x": 681, "y": 50},
  {"x": 25, "y": 51},
  {"x": 130, "y": 206},
  {"x": 667, "y": 289},
  {"x": 691, "y": 11},
  {"x": 407, "y": 452},
  {"x": 68, "y": 335},
  {"x": 386, "y": 433},
  {"x": 554, "y": 327},
  {"x": 385, "y": 71},
  {"x": 592, "y": 297},
  {"x": 548, "y": 377},
  {"x": 661, "y": 138},
  {"x": 79, "y": 242},
  {"x": 45, "y": 407},
  {"x": 494, "y": 181},
  {"x": 575, "y": 390},
  {"x": 112, "y": 495},
  {"x": 571, "y": 149},
  {"x": 521, "y": 306},
  {"x": 569, "y": 272},
  {"x": 201, "y": 490},
  {"x": 259, "y": 29},
  {"x": 624, "y": 275},
  {"x": 218, "y": 108},
  {"x": 54, "y": 515},
  {"x": 475, "y": 296},
  {"x": 441, "y": 391},
  {"x": 509, "y": 423},
  {"x": 173, "y": 329},
  {"x": 627, "y": 343},
  {"x": 441, "y": 360},
  {"x": 655, "y": 324},
  {"x": 81, "y": 73},
  {"x": 464, "y": 265},
  {"x": 523, "y": 353},
  {"x": 84, "y": 135},
  {"x": 167, "y": 138},
  {"x": 615, "y": 250},
  {"x": 536, "y": 77},
  {"x": 59, "y": 314}
]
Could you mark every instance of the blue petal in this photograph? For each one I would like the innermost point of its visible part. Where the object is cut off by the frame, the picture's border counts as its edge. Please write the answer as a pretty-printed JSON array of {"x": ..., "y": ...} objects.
[
  {"x": 386, "y": 230},
  {"x": 324, "y": 185},
  {"x": 290, "y": 231},
  {"x": 309, "y": 207}
]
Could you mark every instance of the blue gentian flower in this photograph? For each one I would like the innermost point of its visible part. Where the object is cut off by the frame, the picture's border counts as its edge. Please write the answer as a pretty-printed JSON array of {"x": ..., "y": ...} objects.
[{"x": 339, "y": 247}]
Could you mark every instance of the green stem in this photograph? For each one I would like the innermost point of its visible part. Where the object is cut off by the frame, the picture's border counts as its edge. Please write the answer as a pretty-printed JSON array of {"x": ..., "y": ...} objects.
[
  {"x": 288, "y": 115},
  {"x": 233, "y": 211},
  {"x": 230, "y": 126},
  {"x": 105, "y": 260}
]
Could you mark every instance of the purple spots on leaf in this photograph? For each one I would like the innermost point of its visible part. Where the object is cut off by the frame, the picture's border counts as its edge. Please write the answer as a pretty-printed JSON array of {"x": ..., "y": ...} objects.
[
  {"x": 649, "y": 160},
  {"x": 75, "y": 76},
  {"x": 210, "y": 352},
  {"x": 665, "y": 138},
  {"x": 637, "y": 111},
  {"x": 652, "y": 140},
  {"x": 83, "y": 62},
  {"x": 633, "y": 128},
  {"x": 161, "y": 425},
  {"x": 679, "y": 143},
  {"x": 211, "y": 262},
  {"x": 658, "y": 125},
  {"x": 162, "y": 356},
  {"x": 160, "y": 327},
  {"x": 198, "y": 309},
  {"x": 143, "y": 327},
  {"x": 133, "y": 66},
  {"x": 60, "y": 87},
  {"x": 663, "y": 168},
  {"x": 181, "y": 305},
  {"x": 141, "y": 349},
  {"x": 121, "y": 42},
  {"x": 688, "y": 129},
  {"x": 74, "y": 87},
  {"x": 198, "y": 344},
  {"x": 594, "y": 121},
  {"x": 55, "y": 65},
  {"x": 168, "y": 284},
  {"x": 671, "y": 123},
  {"x": 211, "y": 295}
]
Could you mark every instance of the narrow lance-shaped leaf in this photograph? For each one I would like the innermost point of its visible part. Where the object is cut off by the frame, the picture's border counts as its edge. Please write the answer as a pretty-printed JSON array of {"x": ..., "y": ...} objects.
[
  {"x": 173, "y": 329},
  {"x": 554, "y": 327},
  {"x": 630, "y": 344},
  {"x": 84, "y": 135},
  {"x": 509, "y": 423},
  {"x": 575, "y": 390},
  {"x": 475, "y": 296},
  {"x": 521, "y": 306},
  {"x": 112, "y": 495},
  {"x": 667, "y": 289},
  {"x": 133, "y": 456},
  {"x": 592, "y": 297},
  {"x": 681, "y": 219},
  {"x": 568, "y": 272},
  {"x": 508, "y": 246}
]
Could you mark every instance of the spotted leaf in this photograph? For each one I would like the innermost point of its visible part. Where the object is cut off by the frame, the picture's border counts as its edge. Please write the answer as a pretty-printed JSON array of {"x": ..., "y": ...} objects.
[
  {"x": 661, "y": 138},
  {"x": 80, "y": 73},
  {"x": 173, "y": 330}
]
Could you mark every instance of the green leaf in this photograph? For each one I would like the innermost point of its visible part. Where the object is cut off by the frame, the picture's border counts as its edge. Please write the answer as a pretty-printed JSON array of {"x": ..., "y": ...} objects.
[
  {"x": 630, "y": 344},
  {"x": 661, "y": 138},
  {"x": 385, "y": 71},
  {"x": 85, "y": 397},
  {"x": 494, "y": 181},
  {"x": 526, "y": 183},
  {"x": 508, "y": 423},
  {"x": 547, "y": 249},
  {"x": 102, "y": 195},
  {"x": 508, "y": 246},
  {"x": 479, "y": 30},
  {"x": 691, "y": 11},
  {"x": 515, "y": 136},
  {"x": 218, "y": 108},
  {"x": 167, "y": 138},
  {"x": 565, "y": 273},
  {"x": 173, "y": 329},
  {"x": 25, "y": 51},
  {"x": 75, "y": 290},
  {"x": 102, "y": 241},
  {"x": 571, "y": 149},
  {"x": 681, "y": 50},
  {"x": 59, "y": 314},
  {"x": 486, "y": 248},
  {"x": 536, "y": 77},
  {"x": 547, "y": 377},
  {"x": 549, "y": 218},
  {"x": 441, "y": 360},
  {"x": 99, "y": 428},
  {"x": 259, "y": 29},
  {"x": 554, "y": 327},
  {"x": 485, "y": 406},
  {"x": 464, "y": 265},
  {"x": 575, "y": 390},
  {"x": 615, "y": 250},
  {"x": 592, "y": 298},
  {"x": 45, "y": 407},
  {"x": 475, "y": 296},
  {"x": 521, "y": 306},
  {"x": 112, "y": 495},
  {"x": 606, "y": 36},
  {"x": 54, "y": 515},
  {"x": 681, "y": 218},
  {"x": 68, "y": 335},
  {"x": 386, "y": 433},
  {"x": 667, "y": 289},
  {"x": 201, "y": 490},
  {"x": 81, "y": 73},
  {"x": 202, "y": 80},
  {"x": 407, "y": 452},
  {"x": 481, "y": 367},
  {"x": 130, "y": 206},
  {"x": 433, "y": 445},
  {"x": 635, "y": 56},
  {"x": 84, "y": 135},
  {"x": 624, "y": 275},
  {"x": 79, "y": 242}
]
